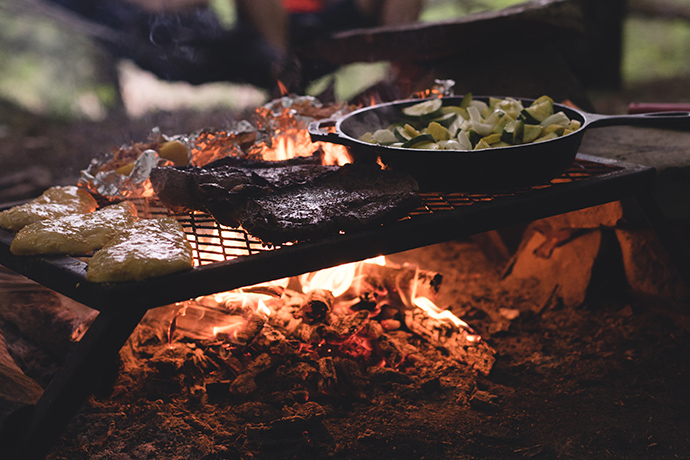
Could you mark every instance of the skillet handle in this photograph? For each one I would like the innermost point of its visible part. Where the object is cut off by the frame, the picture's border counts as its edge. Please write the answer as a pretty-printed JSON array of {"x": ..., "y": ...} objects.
[
  {"x": 317, "y": 134},
  {"x": 678, "y": 120}
]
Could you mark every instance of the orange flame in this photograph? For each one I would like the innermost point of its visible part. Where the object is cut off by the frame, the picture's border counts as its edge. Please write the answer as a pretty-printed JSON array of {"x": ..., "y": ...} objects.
[{"x": 283, "y": 89}]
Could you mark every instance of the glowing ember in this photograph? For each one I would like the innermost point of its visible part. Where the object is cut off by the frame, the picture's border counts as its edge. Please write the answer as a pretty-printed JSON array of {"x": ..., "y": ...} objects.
[{"x": 341, "y": 311}]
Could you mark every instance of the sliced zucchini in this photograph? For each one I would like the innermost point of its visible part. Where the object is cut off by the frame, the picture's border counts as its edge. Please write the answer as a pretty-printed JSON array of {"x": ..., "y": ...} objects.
[
  {"x": 494, "y": 101},
  {"x": 503, "y": 120},
  {"x": 542, "y": 99},
  {"x": 368, "y": 138},
  {"x": 438, "y": 131},
  {"x": 401, "y": 133},
  {"x": 492, "y": 138},
  {"x": 474, "y": 137},
  {"x": 512, "y": 133},
  {"x": 416, "y": 141},
  {"x": 547, "y": 137},
  {"x": 482, "y": 144},
  {"x": 384, "y": 136},
  {"x": 466, "y": 100},
  {"x": 512, "y": 107},
  {"x": 428, "y": 109},
  {"x": 558, "y": 129},
  {"x": 459, "y": 111},
  {"x": 446, "y": 119},
  {"x": 531, "y": 132},
  {"x": 558, "y": 118},
  {"x": 536, "y": 113}
]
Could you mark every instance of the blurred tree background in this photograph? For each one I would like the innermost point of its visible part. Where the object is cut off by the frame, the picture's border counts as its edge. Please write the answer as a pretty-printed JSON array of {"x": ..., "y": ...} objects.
[{"x": 49, "y": 69}]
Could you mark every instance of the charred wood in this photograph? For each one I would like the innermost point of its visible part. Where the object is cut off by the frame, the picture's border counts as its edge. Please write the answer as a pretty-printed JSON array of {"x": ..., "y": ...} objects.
[
  {"x": 16, "y": 389},
  {"x": 51, "y": 321}
]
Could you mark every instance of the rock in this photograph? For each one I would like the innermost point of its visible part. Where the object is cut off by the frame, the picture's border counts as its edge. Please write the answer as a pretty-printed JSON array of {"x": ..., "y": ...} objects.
[
  {"x": 648, "y": 268},
  {"x": 564, "y": 274}
]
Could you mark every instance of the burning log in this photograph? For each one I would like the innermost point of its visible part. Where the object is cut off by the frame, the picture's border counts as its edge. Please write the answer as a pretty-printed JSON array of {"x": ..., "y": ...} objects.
[
  {"x": 396, "y": 285},
  {"x": 317, "y": 306},
  {"x": 452, "y": 334},
  {"x": 246, "y": 334},
  {"x": 346, "y": 326}
]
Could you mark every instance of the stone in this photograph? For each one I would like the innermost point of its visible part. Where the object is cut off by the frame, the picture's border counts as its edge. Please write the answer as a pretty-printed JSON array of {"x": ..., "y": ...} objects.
[{"x": 648, "y": 268}]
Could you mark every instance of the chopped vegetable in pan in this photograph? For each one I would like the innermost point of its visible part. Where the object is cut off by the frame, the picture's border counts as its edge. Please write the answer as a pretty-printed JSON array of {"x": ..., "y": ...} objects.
[{"x": 474, "y": 124}]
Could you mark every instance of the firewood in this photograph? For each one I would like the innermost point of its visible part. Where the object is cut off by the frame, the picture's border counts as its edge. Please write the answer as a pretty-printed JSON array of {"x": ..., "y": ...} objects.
[
  {"x": 16, "y": 389},
  {"x": 399, "y": 282},
  {"x": 249, "y": 331},
  {"x": 347, "y": 325},
  {"x": 50, "y": 320},
  {"x": 317, "y": 306},
  {"x": 461, "y": 343}
]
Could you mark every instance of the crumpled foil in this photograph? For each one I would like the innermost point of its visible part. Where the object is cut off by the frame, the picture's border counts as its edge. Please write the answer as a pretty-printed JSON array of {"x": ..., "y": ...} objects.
[
  {"x": 242, "y": 138},
  {"x": 112, "y": 185},
  {"x": 115, "y": 186}
]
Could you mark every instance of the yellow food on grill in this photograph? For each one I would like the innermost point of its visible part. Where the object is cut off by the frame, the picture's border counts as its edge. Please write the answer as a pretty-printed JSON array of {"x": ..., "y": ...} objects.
[
  {"x": 74, "y": 234},
  {"x": 147, "y": 249},
  {"x": 55, "y": 202}
]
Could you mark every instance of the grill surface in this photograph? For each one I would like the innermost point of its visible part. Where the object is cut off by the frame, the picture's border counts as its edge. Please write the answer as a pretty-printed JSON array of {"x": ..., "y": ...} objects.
[
  {"x": 213, "y": 242},
  {"x": 227, "y": 258}
]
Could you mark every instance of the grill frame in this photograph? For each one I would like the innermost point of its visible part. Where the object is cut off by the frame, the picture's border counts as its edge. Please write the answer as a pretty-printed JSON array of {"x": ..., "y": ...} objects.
[{"x": 590, "y": 181}]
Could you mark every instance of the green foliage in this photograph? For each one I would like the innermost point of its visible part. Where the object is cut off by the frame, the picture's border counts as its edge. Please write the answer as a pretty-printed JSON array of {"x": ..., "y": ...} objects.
[
  {"x": 655, "y": 48},
  {"x": 49, "y": 70},
  {"x": 436, "y": 10}
]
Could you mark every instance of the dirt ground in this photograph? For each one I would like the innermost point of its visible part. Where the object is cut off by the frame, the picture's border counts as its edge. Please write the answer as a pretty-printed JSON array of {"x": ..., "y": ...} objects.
[{"x": 606, "y": 379}]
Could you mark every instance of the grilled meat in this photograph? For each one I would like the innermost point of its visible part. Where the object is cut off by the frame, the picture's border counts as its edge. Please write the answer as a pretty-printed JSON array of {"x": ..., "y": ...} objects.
[
  {"x": 280, "y": 201},
  {"x": 354, "y": 197},
  {"x": 181, "y": 188}
]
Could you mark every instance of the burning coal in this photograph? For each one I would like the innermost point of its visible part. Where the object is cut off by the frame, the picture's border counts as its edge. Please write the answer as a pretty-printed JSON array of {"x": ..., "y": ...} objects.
[{"x": 346, "y": 311}]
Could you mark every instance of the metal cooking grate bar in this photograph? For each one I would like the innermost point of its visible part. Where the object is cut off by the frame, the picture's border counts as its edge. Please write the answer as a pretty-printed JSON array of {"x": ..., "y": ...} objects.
[
  {"x": 435, "y": 202},
  {"x": 212, "y": 242}
]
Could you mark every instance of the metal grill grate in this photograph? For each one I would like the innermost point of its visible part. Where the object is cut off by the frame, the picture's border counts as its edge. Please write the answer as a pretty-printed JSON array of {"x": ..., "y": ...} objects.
[
  {"x": 440, "y": 202},
  {"x": 212, "y": 242}
]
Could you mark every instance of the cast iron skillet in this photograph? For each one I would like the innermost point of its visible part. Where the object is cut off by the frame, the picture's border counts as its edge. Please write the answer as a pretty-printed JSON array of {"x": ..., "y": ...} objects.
[{"x": 476, "y": 170}]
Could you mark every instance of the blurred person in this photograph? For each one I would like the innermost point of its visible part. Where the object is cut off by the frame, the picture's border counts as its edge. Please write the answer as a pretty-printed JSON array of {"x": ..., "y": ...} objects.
[{"x": 183, "y": 40}]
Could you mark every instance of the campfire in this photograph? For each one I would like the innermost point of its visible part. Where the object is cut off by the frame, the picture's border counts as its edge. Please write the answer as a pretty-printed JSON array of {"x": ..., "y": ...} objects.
[{"x": 348, "y": 311}]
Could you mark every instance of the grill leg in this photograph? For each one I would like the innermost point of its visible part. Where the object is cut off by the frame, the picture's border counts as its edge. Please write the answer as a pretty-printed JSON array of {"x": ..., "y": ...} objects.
[{"x": 33, "y": 431}]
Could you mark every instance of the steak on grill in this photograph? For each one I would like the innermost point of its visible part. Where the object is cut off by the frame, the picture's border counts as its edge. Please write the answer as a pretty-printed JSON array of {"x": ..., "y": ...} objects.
[
  {"x": 289, "y": 201},
  {"x": 354, "y": 197},
  {"x": 179, "y": 187}
]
